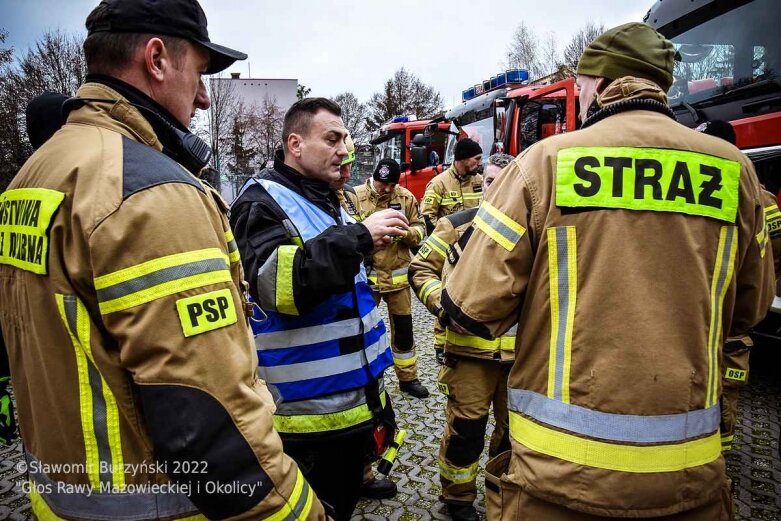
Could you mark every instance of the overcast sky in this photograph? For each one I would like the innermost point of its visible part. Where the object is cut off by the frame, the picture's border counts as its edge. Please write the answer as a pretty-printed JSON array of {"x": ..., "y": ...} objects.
[{"x": 340, "y": 45}]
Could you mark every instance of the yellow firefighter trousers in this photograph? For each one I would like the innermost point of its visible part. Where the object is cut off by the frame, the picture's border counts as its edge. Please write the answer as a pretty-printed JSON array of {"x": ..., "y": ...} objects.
[
  {"x": 471, "y": 386},
  {"x": 401, "y": 337}
]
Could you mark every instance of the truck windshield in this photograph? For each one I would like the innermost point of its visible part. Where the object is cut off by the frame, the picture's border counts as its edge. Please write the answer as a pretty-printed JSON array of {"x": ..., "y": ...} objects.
[
  {"x": 389, "y": 149},
  {"x": 738, "y": 48}
]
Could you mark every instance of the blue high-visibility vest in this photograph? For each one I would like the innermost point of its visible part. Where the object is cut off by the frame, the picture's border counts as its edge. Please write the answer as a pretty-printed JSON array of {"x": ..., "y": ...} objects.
[{"x": 341, "y": 345}]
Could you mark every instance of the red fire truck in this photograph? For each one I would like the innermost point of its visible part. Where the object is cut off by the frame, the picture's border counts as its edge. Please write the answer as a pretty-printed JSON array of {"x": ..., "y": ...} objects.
[
  {"x": 403, "y": 137},
  {"x": 730, "y": 69}
]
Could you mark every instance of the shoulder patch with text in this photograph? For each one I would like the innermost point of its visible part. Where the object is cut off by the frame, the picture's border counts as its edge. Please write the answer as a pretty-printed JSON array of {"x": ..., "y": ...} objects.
[
  {"x": 25, "y": 218},
  {"x": 207, "y": 312},
  {"x": 654, "y": 179}
]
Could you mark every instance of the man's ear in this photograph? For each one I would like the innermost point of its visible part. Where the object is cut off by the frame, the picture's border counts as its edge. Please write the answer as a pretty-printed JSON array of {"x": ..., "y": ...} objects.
[
  {"x": 156, "y": 59},
  {"x": 294, "y": 142},
  {"x": 602, "y": 83}
]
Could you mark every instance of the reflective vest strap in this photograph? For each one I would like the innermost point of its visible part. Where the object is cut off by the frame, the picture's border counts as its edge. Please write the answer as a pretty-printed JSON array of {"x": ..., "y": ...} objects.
[
  {"x": 612, "y": 456},
  {"x": 313, "y": 423}
]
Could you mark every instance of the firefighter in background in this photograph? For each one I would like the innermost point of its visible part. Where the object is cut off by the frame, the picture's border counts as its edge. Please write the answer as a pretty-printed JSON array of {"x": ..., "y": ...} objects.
[
  {"x": 373, "y": 487},
  {"x": 475, "y": 371},
  {"x": 348, "y": 200},
  {"x": 388, "y": 270},
  {"x": 111, "y": 323},
  {"x": 457, "y": 188},
  {"x": 735, "y": 370},
  {"x": 625, "y": 253}
]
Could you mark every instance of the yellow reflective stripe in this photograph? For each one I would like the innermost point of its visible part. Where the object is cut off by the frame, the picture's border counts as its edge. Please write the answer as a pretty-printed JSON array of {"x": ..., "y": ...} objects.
[
  {"x": 298, "y": 504},
  {"x": 161, "y": 277},
  {"x": 654, "y": 179},
  {"x": 722, "y": 275},
  {"x": 428, "y": 288},
  {"x": 437, "y": 244},
  {"x": 471, "y": 341},
  {"x": 399, "y": 279},
  {"x": 498, "y": 226},
  {"x": 233, "y": 248},
  {"x": 762, "y": 238},
  {"x": 458, "y": 475},
  {"x": 772, "y": 212},
  {"x": 285, "y": 302},
  {"x": 40, "y": 508},
  {"x": 562, "y": 265},
  {"x": 439, "y": 338},
  {"x": 309, "y": 423},
  {"x": 404, "y": 362},
  {"x": 85, "y": 396},
  {"x": 432, "y": 194},
  {"x": 473, "y": 195},
  {"x": 611, "y": 456},
  {"x": 76, "y": 321},
  {"x": 507, "y": 343}
]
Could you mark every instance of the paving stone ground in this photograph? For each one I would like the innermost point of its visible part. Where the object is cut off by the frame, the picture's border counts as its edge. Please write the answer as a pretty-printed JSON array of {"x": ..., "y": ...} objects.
[{"x": 754, "y": 465}]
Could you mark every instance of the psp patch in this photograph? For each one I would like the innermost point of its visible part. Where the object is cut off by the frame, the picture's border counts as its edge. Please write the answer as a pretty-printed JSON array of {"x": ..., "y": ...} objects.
[
  {"x": 424, "y": 251},
  {"x": 206, "y": 312}
]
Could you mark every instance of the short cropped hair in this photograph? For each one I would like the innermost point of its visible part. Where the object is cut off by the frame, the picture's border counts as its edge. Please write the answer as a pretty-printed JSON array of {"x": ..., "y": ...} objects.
[
  {"x": 500, "y": 160},
  {"x": 107, "y": 53},
  {"x": 300, "y": 114}
]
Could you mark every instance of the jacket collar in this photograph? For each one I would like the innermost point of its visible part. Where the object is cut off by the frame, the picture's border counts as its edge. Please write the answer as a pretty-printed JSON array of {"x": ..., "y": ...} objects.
[{"x": 628, "y": 88}]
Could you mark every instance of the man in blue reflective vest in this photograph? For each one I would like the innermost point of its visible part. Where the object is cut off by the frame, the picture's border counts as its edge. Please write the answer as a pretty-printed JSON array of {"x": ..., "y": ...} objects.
[{"x": 322, "y": 345}]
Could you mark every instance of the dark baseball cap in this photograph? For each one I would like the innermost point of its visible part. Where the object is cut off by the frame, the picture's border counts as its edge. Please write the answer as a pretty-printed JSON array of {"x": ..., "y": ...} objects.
[{"x": 180, "y": 18}]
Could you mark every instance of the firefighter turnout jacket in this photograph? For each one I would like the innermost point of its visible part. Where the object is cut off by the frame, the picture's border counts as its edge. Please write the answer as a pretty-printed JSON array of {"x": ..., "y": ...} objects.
[
  {"x": 348, "y": 200},
  {"x": 631, "y": 249},
  {"x": 429, "y": 270},
  {"x": 389, "y": 266},
  {"x": 321, "y": 342},
  {"x": 448, "y": 193},
  {"x": 132, "y": 363}
]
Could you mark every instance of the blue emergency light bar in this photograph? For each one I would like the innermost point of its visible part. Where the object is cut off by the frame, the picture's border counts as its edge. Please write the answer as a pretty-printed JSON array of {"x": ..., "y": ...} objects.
[
  {"x": 404, "y": 119},
  {"x": 500, "y": 80}
]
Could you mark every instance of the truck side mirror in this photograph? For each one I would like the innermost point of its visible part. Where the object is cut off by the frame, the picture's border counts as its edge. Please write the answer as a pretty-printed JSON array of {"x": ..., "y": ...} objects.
[{"x": 419, "y": 158}]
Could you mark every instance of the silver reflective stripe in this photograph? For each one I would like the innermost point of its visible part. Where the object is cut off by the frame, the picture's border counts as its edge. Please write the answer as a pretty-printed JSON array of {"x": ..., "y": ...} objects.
[
  {"x": 400, "y": 271},
  {"x": 160, "y": 276},
  {"x": 315, "y": 334},
  {"x": 326, "y": 404},
  {"x": 513, "y": 331},
  {"x": 321, "y": 368},
  {"x": 614, "y": 427},
  {"x": 232, "y": 246},
  {"x": 99, "y": 421},
  {"x": 501, "y": 228},
  {"x": 564, "y": 303},
  {"x": 104, "y": 506},
  {"x": 404, "y": 356},
  {"x": 267, "y": 282}
]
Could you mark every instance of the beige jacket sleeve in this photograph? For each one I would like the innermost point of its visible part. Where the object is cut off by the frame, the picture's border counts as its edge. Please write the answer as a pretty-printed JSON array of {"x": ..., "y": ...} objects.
[
  {"x": 161, "y": 269},
  {"x": 429, "y": 208},
  {"x": 417, "y": 229},
  {"x": 483, "y": 292},
  {"x": 773, "y": 219},
  {"x": 425, "y": 270}
]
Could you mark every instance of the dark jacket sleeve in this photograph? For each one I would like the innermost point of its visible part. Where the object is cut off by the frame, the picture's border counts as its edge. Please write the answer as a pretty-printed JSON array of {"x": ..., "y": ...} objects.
[{"x": 327, "y": 264}]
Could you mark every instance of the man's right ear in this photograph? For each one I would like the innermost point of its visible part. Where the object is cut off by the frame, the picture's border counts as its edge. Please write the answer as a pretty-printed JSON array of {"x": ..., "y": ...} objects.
[{"x": 294, "y": 145}]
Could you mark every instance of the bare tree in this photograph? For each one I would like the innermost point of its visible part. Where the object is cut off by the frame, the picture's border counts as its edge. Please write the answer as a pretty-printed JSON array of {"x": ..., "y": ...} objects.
[
  {"x": 404, "y": 93},
  {"x": 54, "y": 63},
  {"x": 550, "y": 59},
  {"x": 524, "y": 52},
  {"x": 265, "y": 132},
  {"x": 354, "y": 116},
  {"x": 578, "y": 43},
  {"x": 219, "y": 119}
]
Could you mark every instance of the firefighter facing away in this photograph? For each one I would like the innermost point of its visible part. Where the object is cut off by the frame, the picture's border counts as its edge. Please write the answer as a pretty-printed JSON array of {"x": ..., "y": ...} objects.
[
  {"x": 123, "y": 308},
  {"x": 625, "y": 253},
  {"x": 474, "y": 375}
]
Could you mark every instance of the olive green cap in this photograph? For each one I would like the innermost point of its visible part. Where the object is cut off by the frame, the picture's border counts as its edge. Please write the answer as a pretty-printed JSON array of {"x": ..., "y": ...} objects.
[{"x": 632, "y": 49}]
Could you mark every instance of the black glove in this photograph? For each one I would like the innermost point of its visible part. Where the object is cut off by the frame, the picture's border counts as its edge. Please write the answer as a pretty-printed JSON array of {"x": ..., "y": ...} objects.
[{"x": 7, "y": 420}]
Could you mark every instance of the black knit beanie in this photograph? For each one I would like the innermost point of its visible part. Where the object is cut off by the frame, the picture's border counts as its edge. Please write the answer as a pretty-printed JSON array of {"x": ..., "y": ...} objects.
[{"x": 467, "y": 148}]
